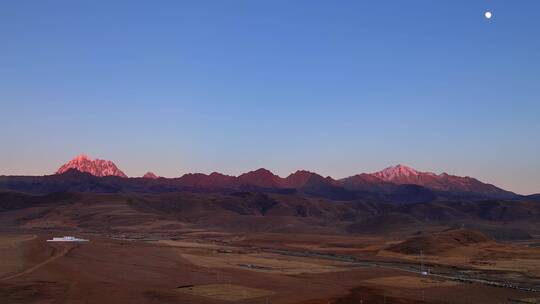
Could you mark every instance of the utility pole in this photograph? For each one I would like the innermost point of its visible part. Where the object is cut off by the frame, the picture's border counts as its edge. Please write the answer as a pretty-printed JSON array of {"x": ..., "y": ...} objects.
[{"x": 421, "y": 262}]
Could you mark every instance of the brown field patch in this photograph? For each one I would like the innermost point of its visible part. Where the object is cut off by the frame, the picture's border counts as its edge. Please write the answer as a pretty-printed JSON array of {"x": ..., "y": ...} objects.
[
  {"x": 188, "y": 244},
  {"x": 226, "y": 292},
  {"x": 409, "y": 282},
  {"x": 264, "y": 262}
]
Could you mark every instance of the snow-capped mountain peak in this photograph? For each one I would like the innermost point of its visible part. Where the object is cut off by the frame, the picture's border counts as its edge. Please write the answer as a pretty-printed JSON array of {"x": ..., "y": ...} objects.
[
  {"x": 394, "y": 172},
  {"x": 96, "y": 167}
]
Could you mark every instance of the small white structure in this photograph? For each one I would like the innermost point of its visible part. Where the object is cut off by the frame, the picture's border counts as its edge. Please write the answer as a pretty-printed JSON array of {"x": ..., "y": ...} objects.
[{"x": 67, "y": 239}]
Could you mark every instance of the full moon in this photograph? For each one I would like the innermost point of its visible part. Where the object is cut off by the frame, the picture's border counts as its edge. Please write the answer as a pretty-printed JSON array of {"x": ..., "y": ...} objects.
[{"x": 488, "y": 14}]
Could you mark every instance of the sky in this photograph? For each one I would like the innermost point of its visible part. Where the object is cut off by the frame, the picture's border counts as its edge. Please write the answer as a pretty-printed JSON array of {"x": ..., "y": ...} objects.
[{"x": 334, "y": 87}]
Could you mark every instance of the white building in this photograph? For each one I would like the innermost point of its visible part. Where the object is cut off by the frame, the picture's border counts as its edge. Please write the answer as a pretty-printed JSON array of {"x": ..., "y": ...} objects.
[{"x": 67, "y": 239}]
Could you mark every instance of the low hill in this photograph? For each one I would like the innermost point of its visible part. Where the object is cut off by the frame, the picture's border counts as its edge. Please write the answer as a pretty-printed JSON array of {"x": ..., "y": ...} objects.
[
  {"x": 532, "y": 197},
  {"x": 499, "y": 232},
  {"x": 440, "y": 242}
]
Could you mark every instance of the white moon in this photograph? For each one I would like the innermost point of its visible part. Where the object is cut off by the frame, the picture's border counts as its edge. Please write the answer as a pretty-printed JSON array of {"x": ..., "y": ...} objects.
[{"x": 488, "y": 15}]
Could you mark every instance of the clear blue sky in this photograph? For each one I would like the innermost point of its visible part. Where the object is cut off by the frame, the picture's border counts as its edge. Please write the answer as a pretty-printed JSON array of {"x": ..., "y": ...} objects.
[{"x": 336, "y": 87}]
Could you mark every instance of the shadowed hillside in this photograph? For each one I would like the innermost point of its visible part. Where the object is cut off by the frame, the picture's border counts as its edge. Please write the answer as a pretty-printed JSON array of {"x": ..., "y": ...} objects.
[
  {"x": 255, "y": 211},
  {"x": 440, "y": 242}
]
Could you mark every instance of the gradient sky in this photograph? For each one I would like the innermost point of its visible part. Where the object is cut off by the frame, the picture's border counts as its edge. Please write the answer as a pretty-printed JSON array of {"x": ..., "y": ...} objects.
[{"x": 335, "y": 87}]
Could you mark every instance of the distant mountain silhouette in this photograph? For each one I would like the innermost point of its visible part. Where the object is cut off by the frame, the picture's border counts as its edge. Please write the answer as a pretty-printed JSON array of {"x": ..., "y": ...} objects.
[
  {"x": 399, "y": 184},
  {"x": 261, "y": 178},
  {"x": 401, "y": 174},
  {"x": 302, "y": 178},
  {"x": 202, "y": 181},
  {"x": 150, "y": 175},
  {"x": 366, "y": 182}
]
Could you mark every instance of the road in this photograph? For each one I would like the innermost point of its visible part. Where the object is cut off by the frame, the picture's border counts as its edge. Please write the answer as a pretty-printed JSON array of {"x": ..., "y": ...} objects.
[{"x": 402, "y": 266}]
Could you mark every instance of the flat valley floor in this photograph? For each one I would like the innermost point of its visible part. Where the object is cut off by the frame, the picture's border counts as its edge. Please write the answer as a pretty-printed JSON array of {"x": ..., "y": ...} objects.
[{"x": 200, "y": 266}]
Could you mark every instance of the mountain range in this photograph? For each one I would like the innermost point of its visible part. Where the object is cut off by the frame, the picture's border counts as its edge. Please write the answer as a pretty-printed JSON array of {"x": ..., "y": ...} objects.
[{"x": 397, "y": 183}]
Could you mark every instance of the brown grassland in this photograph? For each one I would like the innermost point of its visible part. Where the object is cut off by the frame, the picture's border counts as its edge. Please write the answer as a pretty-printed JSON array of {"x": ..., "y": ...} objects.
[{"x": 225, "y": 268}]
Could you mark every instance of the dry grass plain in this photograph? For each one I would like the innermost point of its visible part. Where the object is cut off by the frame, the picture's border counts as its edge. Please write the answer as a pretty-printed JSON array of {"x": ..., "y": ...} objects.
[
  {"x": 218, "y": 268},
  {"x": 11, "y": 249},
  {"x": 410, "y": 282},
  {"x": 485, "y": 256}
]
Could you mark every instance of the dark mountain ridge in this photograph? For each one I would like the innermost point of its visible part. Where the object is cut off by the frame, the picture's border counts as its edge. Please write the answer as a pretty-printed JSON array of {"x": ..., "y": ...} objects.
[
  {"x": 399, "y": 184},
  {"x": 364, "y": 186}
]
